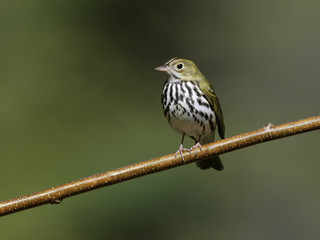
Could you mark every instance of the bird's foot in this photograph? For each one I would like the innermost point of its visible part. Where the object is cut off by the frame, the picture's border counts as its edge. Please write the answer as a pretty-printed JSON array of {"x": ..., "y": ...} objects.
[
  {"x": 196, "y": 146},
  {"x": 180, "y": 150}
]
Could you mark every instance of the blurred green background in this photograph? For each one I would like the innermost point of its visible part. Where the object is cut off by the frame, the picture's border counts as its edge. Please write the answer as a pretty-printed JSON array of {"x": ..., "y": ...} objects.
[{"x": 79, "y": 96}]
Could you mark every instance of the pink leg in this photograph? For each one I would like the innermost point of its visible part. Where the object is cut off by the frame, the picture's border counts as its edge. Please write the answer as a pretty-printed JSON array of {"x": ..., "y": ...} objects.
[{"x": 181, "y": 149}]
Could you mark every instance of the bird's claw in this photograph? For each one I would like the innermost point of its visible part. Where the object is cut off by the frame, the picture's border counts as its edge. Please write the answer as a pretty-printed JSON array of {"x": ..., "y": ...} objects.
[
  {"x": 196, "y": 146},
  {"x": 180, "y": 150}
]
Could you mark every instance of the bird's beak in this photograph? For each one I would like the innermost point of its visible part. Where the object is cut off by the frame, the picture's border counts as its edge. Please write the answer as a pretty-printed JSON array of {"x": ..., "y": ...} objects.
[{"x": 163, "y": 69}]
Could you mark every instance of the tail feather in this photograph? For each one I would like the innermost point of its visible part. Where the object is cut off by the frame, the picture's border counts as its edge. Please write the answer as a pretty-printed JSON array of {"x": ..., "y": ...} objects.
[{"x": 214, "y": 162}]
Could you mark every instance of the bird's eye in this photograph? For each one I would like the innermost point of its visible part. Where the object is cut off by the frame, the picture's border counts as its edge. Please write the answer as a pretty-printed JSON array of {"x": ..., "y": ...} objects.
[{"x": 180, "y": 65}]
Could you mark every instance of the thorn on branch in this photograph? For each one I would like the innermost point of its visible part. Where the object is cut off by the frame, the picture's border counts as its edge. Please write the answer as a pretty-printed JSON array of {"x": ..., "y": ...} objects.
[{"x": 268, "y": 126}]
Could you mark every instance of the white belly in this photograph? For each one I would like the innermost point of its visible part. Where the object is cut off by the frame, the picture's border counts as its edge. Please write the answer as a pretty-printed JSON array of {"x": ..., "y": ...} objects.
[
  {"x": 188, "y": 111},
  {"x": 192, "y": 124}
]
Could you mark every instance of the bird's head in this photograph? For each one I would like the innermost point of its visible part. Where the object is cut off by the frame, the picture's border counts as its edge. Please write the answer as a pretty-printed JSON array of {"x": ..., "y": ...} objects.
[{"x": 181, "y": 69}]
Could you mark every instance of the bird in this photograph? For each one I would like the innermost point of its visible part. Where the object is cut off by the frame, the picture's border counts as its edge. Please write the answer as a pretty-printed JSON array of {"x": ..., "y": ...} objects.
[{"x": 191, "y": 107}]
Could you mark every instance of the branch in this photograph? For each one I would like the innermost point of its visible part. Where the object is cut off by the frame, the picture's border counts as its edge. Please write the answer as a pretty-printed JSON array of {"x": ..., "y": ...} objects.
[{"x": 57, "y": 194}]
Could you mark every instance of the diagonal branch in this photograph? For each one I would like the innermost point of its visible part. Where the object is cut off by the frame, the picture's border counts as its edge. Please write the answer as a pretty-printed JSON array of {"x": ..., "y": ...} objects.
[{"x": 56, "y": 194}]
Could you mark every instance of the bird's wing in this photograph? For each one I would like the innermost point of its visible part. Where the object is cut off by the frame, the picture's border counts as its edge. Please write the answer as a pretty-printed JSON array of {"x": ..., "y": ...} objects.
[{"x": 212, "y": 98}]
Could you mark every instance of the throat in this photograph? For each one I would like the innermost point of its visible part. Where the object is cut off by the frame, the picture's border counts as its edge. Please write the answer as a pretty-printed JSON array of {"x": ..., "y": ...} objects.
[{"x": 175, "y": 77}]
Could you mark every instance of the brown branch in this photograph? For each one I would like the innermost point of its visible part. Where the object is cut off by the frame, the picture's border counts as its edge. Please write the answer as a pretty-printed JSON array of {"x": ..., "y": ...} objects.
[{"x": 56, "y": 194}]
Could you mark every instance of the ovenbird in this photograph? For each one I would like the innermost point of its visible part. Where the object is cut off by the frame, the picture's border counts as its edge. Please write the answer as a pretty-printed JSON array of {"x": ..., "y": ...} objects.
[{"x": 191, "y": 107}]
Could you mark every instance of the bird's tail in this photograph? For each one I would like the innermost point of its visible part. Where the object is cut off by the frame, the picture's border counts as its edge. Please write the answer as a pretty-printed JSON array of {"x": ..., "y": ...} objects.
[{"x": 214, "y": 162}]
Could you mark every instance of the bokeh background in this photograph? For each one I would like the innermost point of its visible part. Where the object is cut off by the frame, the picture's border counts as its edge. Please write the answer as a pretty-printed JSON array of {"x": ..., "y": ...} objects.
[{"x": 79, "y": 96}]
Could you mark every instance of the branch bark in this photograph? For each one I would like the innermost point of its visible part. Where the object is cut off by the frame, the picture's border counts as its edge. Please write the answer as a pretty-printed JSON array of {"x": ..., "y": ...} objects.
[{"x": 57, "y": 194}]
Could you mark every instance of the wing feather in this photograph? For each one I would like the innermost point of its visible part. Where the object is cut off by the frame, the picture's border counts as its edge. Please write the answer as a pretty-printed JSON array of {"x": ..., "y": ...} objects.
[{"x": 212, "y": 98}]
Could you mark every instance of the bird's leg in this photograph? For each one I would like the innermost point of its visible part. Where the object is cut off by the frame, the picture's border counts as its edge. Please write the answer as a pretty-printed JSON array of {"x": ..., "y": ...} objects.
[
  {"x": 196, "y": 146},
  {"x": 181, "y": 149}
]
